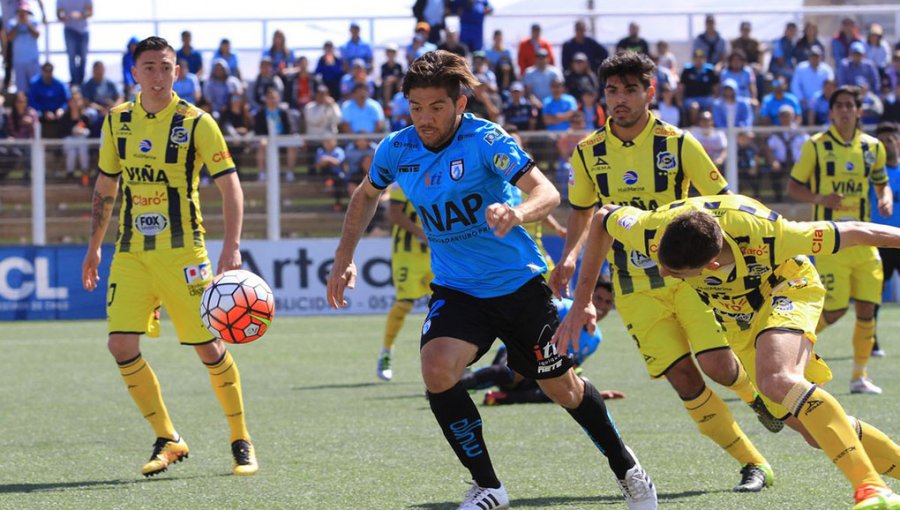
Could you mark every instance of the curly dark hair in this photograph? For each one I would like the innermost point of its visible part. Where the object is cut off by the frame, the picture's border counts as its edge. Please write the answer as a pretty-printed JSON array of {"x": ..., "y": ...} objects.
[
  {"x": 629, "y": 63},
  {"x": 690, "y": 241},
  {"x": 440, "y": 69}
]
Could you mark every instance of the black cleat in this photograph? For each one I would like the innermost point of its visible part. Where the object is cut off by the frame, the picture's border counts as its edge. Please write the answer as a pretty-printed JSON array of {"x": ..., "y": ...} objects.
[
  {"x": 771, "y": 423},
  {"x": 755, "y": 477}
]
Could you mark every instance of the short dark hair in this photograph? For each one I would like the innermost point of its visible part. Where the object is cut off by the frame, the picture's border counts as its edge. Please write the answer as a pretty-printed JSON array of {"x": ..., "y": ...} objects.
[
  {"x": 604, "y": 283},
  {"x": 152, "y": 43},
  {"x": 629, "y": 63},
  {"x": 851, "y": 90},
  {"x": 440, "y": 69},
  {"x": 889, "y": 128},
  {"x": 690, "y": 241}
]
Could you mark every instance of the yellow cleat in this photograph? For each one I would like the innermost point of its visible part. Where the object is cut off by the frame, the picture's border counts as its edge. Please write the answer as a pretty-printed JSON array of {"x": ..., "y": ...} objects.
[
  {"x": 244, "y": 458},
  {"x": 165, "y": 451},
  {"x": 875, "y": 497}
]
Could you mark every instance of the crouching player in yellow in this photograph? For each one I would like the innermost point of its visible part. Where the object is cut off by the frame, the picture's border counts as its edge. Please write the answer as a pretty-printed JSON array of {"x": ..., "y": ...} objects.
[
  {"x": 157, "y": 145},
  {"x": 749, "y": 265},
  {"x": 410, "y": 270}
]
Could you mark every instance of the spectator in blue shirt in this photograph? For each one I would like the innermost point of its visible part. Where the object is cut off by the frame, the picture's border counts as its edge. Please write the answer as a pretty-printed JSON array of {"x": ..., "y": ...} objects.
[
  {"x": 275, "y": 114},
  {"x": 23, "y": 33},
  {"x": 889, "y": 135},
  {"x": 330, "y": 68},
  {"x": 74, "y": 15},
  {"x": 730, "y": 110},
  {"x": 699, "y": 83},
  {"x": 100, "y": 94},
  {"x": 559, "y": 107},
  {"x": 330, "y": 162},
  {"x": 186, "y": 84},
  {"x": 782, "y": 62},
  {"x": 356, "y": 48},
  {"x": 127, "y": 63},
  {"x": 421, "y": 43},
  {"x": 471, "y": 21},
  {"x": 742, "y": 75},
  {"x": 282, "y": 57},
  {"x": 189, "y": 54},
  {"x": 361, "y": 113},
  {"x": 582, "y": 43},
  {"x": 710, "y": 42},
  {"x": 519, "y": 111},
  {"x": 818, "y": 114},
  {"x": 48, "y": 96},
  {"x": 809, "y": 77},
  {"x": 857, "y": 65},
  {"x": 356, "y": 74},
  {"x": 840, "y": 44},
  {"x": 224, "y": 52},
  {"x": 773, "y": 102}
]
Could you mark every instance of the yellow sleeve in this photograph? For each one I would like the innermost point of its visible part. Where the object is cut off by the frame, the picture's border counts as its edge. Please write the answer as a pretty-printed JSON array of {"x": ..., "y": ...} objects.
[
  {"x": 803, "y": 168},
  {"x": 807, "y": 238},
  {"x": 109, "y": 162},
  {"x": 627, "y": 225},
  {"x": 700, "y": 169},
  {"x": 211, "y": 146},
  {"x": 582, "y": 193},
  {"x": 878, "y": 175}
]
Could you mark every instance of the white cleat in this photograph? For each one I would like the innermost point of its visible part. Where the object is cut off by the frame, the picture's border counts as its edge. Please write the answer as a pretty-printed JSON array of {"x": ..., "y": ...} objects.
[
  {"x": 638, "y": 489},
  {"x": 864, "y": 385},
  {"x": 483, "y": 498},
  {"x": 383, "y": 370}
]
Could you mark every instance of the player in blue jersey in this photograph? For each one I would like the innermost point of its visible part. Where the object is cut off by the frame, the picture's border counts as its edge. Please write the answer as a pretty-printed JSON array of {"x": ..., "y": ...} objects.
[
  {"x": 488, "y": 282},
  {"x": 889, "y": 134},
  {"x": 514, "y": 388}
]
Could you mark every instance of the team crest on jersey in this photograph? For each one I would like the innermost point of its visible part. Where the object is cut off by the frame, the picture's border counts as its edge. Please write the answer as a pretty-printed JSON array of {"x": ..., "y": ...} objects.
[
  {"x": 756, "y": 269},
  {"x": 501, "y": 161},
  {"x": 179, "y": 135},
  {"x": 665, "y": 161},
  {"x": 630, "y": 178},
  {"x": 640, "y": 260},
  {"x": 782, "y": 304},
  {"x": 145, "y": 146},
  {"x": 869, "y": 157},
  {"x": 457, "y": 169},
  {"x": 712, "y": 281}
]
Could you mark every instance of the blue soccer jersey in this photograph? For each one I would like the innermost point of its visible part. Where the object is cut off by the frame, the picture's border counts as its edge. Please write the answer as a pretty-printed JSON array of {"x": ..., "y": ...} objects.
[
  {"x": 451, "y": 188},
  {"x": 587, "y": 343}
]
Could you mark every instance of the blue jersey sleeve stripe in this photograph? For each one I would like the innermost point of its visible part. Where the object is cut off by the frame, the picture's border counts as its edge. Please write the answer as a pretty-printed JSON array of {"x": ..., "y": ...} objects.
[
  {"x": 524, "y": 170},
  {"x": 226, "y": 172}
]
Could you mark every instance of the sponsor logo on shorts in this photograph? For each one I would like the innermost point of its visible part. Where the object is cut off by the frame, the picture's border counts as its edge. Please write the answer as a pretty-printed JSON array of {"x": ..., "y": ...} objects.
[
  {"x": 197, "y": 272},
  {"x": 151, "y": 224},
  {"x": 782, "y": 303},
  {"x": 179, "y": 135},
  {"x": 640, "y": 260},
  {"x": 196, "y": 290}
]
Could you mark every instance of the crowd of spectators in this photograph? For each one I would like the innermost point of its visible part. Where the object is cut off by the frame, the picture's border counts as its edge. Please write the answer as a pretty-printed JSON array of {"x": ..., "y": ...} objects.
[{"x": 741, "y": 82}]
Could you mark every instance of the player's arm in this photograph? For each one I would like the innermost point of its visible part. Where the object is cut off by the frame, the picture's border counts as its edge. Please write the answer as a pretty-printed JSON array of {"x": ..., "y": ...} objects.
[
  {"x": 883, "y": 193},
  {"x": 582, "y": 198},
  {"x": 542, "y": 198},
  {"x": 863, "y": 233},
  {"x": 233, "y": 213},
  {"x": 798, "y": 188},
  {"x": 582, "y": 314},
  {"x": 105, "y": 189},
  {"x": 396, "y": 217},
  {"x": 360, "y": 211}
]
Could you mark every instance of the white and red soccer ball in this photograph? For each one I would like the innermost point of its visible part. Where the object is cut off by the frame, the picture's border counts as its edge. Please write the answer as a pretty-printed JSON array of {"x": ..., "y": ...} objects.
[{"x": 237, "y": 307}]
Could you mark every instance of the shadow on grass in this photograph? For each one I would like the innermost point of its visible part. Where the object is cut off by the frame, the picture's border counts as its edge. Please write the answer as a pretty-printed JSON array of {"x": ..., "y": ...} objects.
[
  {"x": 27, "y": 488},
  {"x": 347, "y": 386},
  {"x": 566, "y": 501}
]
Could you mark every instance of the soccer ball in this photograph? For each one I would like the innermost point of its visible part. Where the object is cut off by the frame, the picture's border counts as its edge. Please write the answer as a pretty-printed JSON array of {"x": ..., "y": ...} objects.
[{"x": 237, "y": 307}]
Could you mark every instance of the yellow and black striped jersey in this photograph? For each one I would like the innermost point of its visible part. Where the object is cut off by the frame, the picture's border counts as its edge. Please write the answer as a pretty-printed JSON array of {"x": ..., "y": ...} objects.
[
  {"x": 828, "y": 165},
  {"x": 654, "y": 169},
  {"x": 768, "y": 249},
  {"x": 405, "y": 241},
  {"x": 159, "y": 157}
]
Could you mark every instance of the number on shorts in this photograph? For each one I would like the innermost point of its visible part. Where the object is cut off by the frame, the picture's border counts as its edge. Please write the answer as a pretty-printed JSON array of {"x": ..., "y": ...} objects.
[
  {"x": 828, "y": 282},
  {"x": 404, "y": 274},
  {"x": 112, "y": 294}
]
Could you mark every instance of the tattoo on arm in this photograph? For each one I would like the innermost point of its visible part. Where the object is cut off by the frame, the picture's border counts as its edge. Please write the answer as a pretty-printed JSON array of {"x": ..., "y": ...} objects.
[{"x": 101, "y": 209}]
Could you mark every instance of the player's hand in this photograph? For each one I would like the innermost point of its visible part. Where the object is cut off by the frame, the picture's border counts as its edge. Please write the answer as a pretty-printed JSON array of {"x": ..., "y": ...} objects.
[
  {"x": 89, "y": 275},
  {"x": 568, "y": 332},
  {"x": 338, "y": 280},
  {"x": 611, "y": 394},
  {"x": 228, "y": 260},
  {"x": 886, "y": 207},
  {"x": 502, "y": 218},
  {"x": 832, "y": 201},
  {"x": 560, "y": 277}
]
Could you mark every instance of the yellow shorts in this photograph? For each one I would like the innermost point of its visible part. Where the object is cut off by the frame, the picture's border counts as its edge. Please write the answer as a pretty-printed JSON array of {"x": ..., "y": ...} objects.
[
  {"x": 412, "y": 276},
  {"x": 668, "y": 324},
  {"x": 794, "y": 305},
  {"x": 852, "y": 273},
  {"x": 139, "y": 282}
]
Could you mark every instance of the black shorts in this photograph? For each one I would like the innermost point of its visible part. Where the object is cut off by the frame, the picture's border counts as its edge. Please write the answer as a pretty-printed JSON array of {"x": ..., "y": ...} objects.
[
  {"x": 524, "y": 320},
  {"x": 890, "y": 262}
]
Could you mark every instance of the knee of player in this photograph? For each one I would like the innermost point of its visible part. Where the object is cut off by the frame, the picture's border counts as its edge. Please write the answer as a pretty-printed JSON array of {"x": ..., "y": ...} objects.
[
  {"x": 123, "y": 347},
  {"x": 832, "y": 316},
  {"x": 438, "y": 376},
  {"x": 685, "y": 379},
  {"x": 720, "y": 365},
  {"x": 775, "y": 386},
  {"x": 566, "y": 390}
]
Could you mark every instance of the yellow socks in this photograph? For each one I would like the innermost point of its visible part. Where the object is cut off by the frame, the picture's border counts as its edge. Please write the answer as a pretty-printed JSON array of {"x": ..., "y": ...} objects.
[
  {"x": 741, "y": 385},
  {"x": 395, "y": 318},
  {"x": 829, "y": 425},
  {"x": 863, "y": 339},
  {"x": 884, "y": 453},
  {"x": 144, "y": 389},
  {"x": 226, "y": 381},
  {"x": 716, "y": 422}
]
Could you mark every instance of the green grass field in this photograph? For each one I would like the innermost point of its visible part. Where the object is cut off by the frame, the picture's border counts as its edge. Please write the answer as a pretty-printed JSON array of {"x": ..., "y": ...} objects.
[{"x": 330, "y": 436}]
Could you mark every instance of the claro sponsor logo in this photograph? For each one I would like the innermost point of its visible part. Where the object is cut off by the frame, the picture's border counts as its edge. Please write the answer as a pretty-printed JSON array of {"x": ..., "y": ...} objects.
[{"x": 817, "y": 240}]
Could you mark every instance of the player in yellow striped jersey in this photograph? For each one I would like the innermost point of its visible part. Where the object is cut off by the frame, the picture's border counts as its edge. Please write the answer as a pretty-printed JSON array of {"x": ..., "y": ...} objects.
[
  {"x": 639, "y": 160},
  {"x": 410, "y": 271},
  {"x": 834, "y": 172},
  {"x": 157, "y": 145},
  {"x": 749, "y": 264}
]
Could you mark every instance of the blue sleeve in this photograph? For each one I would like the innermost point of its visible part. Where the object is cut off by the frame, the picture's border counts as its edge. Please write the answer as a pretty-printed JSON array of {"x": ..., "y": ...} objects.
[
  {"x": 382, "y": 172},
  {"x": 503, "y": 155},
  {"x": 339, "y": 154}
]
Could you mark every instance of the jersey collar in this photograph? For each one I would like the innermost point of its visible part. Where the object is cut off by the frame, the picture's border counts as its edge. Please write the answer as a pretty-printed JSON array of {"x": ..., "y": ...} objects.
[
  {"x": 638, "y": 140},
  {"x": 160, "y": 114},
  {"x": 833, "y": 133}
]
